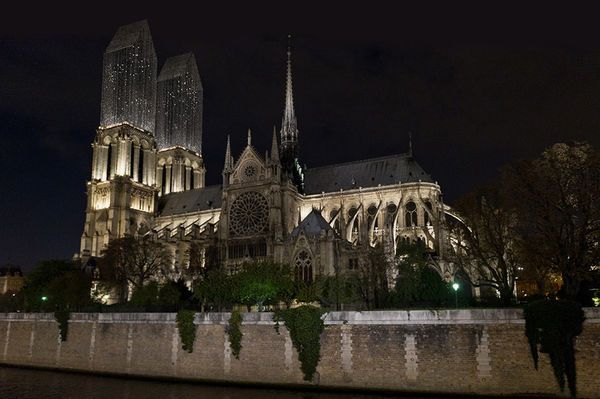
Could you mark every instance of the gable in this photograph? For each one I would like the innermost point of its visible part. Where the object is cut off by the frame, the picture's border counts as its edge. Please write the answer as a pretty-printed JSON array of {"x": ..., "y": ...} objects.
[{"x": 249, "y": 167}]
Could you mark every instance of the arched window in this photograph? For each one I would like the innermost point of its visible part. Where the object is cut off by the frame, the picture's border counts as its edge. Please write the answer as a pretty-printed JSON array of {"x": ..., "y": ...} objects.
[
  {"x": 303, "y": 267},
  {"x": 410, "y": 217}
]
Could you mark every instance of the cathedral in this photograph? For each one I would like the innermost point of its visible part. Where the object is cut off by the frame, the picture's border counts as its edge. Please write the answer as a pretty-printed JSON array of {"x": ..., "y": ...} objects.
[{"x": 148, "y": 179}]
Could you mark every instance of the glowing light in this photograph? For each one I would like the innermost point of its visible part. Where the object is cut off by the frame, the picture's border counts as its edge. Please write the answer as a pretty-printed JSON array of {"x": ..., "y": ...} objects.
[{"x": 455, "y": 286}]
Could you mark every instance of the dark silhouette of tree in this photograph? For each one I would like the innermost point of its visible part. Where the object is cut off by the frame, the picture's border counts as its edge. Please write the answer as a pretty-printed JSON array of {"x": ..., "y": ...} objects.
[
  {"x": 486, "y": 246},
  {"x": 556, "y": 201},
  {"x": 135, "y": 261}
]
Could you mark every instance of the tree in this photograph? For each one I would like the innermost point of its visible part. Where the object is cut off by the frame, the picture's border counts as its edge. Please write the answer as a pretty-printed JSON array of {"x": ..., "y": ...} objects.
[
  {"x": 417, "y": 283},
  {"x": 56, "y": 284},
  {"x": 216, "y": 290},
  {"x": 136, "y": 261},
  {"x": 486, "y": 246},
  {"x": 372, "y": 278},
  {"x": 264, "y": 283},
  {"x": 556, "y": 200}
]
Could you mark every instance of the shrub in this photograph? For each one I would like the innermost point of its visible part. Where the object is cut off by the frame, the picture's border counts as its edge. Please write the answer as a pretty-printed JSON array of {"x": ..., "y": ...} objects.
[
  {"x": 235, "y": 333},
  {"x": 62, "y": 318},
  {"x": 553, "y": 325},
  {"x": 305, "y": 326},
  {"x": 187, "y": 329}
]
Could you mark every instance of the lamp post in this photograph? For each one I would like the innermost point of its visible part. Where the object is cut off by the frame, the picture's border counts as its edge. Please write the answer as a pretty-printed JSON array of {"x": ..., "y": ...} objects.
[{"x": 455, "y": 287}]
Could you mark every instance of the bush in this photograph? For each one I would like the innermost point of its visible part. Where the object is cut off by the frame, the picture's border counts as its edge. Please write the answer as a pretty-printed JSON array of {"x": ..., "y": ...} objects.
[
  {"x": 553, "y": 325},
  {"x": 145, "y": 296},
  {"x": 187, "y": 329},
  {"x": 235, "y": 333},
  {"x": 62, "y": 318},
  {"x": 305, "y": 326}
]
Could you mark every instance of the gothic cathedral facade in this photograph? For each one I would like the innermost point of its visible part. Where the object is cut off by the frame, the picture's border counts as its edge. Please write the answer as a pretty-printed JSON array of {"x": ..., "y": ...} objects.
[{"x": 148, "y": 179}]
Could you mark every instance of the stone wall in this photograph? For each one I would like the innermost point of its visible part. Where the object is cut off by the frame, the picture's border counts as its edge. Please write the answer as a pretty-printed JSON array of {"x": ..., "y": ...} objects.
[{"x": 481, "y": 351}]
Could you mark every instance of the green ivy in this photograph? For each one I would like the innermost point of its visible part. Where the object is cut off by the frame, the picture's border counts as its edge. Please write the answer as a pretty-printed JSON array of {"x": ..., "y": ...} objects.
[
  {"x": 305, "y": 326},
  {"x": 235, "y": 333},
  {"x": 187, "y": 329},
  {"x": 553, "y": 325},
  {"x": 62, "y": 318}
]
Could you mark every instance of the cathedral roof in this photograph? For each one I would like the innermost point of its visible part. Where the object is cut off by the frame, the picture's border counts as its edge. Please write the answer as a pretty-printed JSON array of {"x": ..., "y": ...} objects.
[
  {"x": 199, "y": 199},
  {"x": 364, "y": 173},
  {"x": 312, "y": 224}
]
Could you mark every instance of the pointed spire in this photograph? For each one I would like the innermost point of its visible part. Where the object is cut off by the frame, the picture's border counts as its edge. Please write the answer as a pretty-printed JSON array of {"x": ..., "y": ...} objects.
[
  {"x": 410, "y": 150},
  {"x": 228, "y": 158},
  {"x": 249, "y": 136},
  {"x": 274, "y": 147},
  {"x": 289, "y": 129},
  {"x": 289, "y": 94}
]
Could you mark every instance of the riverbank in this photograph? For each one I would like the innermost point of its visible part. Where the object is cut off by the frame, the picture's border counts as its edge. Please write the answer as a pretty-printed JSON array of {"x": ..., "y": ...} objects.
[{"x": 475, "y": 352}]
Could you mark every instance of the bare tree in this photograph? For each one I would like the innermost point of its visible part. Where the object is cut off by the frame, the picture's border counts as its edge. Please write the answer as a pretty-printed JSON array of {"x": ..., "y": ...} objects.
[
  {"x": 556, "y": 197},
  {"x": 485, "y": 248},
  {"x": 136, "y": 261}
]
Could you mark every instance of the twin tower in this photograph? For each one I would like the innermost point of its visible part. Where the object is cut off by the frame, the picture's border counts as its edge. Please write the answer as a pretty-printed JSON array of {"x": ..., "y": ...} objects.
[{"x": 149, "y": 142}]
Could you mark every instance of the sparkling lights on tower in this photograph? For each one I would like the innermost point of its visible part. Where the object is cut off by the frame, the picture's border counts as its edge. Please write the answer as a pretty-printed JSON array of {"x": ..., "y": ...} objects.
[
  {"x": 129, "y": 78},
  {"x": 179, "y": 104}
]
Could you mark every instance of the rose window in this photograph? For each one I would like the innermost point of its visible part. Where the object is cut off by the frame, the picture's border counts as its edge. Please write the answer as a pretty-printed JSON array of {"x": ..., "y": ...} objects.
[{"x": 248, "y": 214}]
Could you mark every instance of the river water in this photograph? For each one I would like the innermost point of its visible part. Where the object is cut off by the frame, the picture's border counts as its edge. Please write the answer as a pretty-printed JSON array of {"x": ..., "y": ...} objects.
[{"x": 35, "y": 384}]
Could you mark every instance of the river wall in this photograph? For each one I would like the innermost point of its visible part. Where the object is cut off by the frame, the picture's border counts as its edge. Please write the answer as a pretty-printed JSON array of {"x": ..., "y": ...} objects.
[{"x": 479, "y": 351}]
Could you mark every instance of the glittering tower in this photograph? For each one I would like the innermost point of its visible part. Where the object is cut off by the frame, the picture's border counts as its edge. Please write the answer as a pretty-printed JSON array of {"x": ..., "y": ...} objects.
[
  {"x": 129, "y": 78},
  {"x": 180, "y": 165},
  {"x": 179, "y": 104},
  {"x": 290, "y": 149}
]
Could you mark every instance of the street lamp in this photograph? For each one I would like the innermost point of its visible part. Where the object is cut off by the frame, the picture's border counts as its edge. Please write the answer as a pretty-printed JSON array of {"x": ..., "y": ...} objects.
[
  {"x": 44, "y": 298},
  {"x": 455, "y": 287}
]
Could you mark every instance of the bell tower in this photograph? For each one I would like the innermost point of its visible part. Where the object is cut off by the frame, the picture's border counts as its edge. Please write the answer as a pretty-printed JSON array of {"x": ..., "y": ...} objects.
[{"x": 121, "y": 191}]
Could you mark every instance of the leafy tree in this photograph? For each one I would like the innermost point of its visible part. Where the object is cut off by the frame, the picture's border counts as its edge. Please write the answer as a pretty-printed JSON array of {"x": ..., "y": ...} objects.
[
  {"x": 338, "y": 289},
  {"x": 56, "y": 284},
  {"x": 555, "y": 197},
  {"x": 417, "y": 283},
  {"x": 216, "y": 290},
  {"x": 264, "y": 283},
  {"x": 486, "y": 248}
]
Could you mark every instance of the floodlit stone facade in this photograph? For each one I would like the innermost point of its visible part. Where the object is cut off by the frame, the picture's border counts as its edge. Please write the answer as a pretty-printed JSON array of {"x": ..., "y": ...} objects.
[{"x": 321, "y": 220}]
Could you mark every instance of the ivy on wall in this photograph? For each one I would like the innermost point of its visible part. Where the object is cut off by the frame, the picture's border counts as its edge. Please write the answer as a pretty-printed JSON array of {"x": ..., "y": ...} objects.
[
  {"x": 187, "y": 329},
  {"x": 62, "y": 318},
  {"x": 553, "y": 325},
  {"x": 235, "y": 333},
  {"x": 305, "y": 326}
]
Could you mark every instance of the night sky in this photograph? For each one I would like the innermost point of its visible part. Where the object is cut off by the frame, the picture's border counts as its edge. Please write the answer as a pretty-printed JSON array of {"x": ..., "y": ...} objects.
[{"x": 472, "y": 101}]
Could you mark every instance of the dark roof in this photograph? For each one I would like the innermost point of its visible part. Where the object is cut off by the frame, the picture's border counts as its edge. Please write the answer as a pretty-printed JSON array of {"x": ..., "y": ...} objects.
[
  {"x": 365, "y": 173},
  {"x": 312, "y": 224},
  {"x": 199, "y": 199}
]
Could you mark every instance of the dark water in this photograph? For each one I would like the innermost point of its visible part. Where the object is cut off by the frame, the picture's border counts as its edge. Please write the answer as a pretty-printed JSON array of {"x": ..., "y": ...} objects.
[{"x": 34, "y": 384}]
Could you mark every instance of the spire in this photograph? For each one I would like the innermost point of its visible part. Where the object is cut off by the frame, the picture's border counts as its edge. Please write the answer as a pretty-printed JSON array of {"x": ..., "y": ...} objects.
[
  {"x": 410, "y": 150},
  {"x": 274, "y": 147},
  {"x": 289, "y": 94},
  {"x": 289, "y": 129},
  {"x": 228, "y": 158},
  {"x": 249, "y": 136}
]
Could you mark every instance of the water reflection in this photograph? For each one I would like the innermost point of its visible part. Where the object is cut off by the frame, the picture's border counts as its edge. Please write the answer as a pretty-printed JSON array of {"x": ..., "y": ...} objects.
[{"x": 35, "y": 384}]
